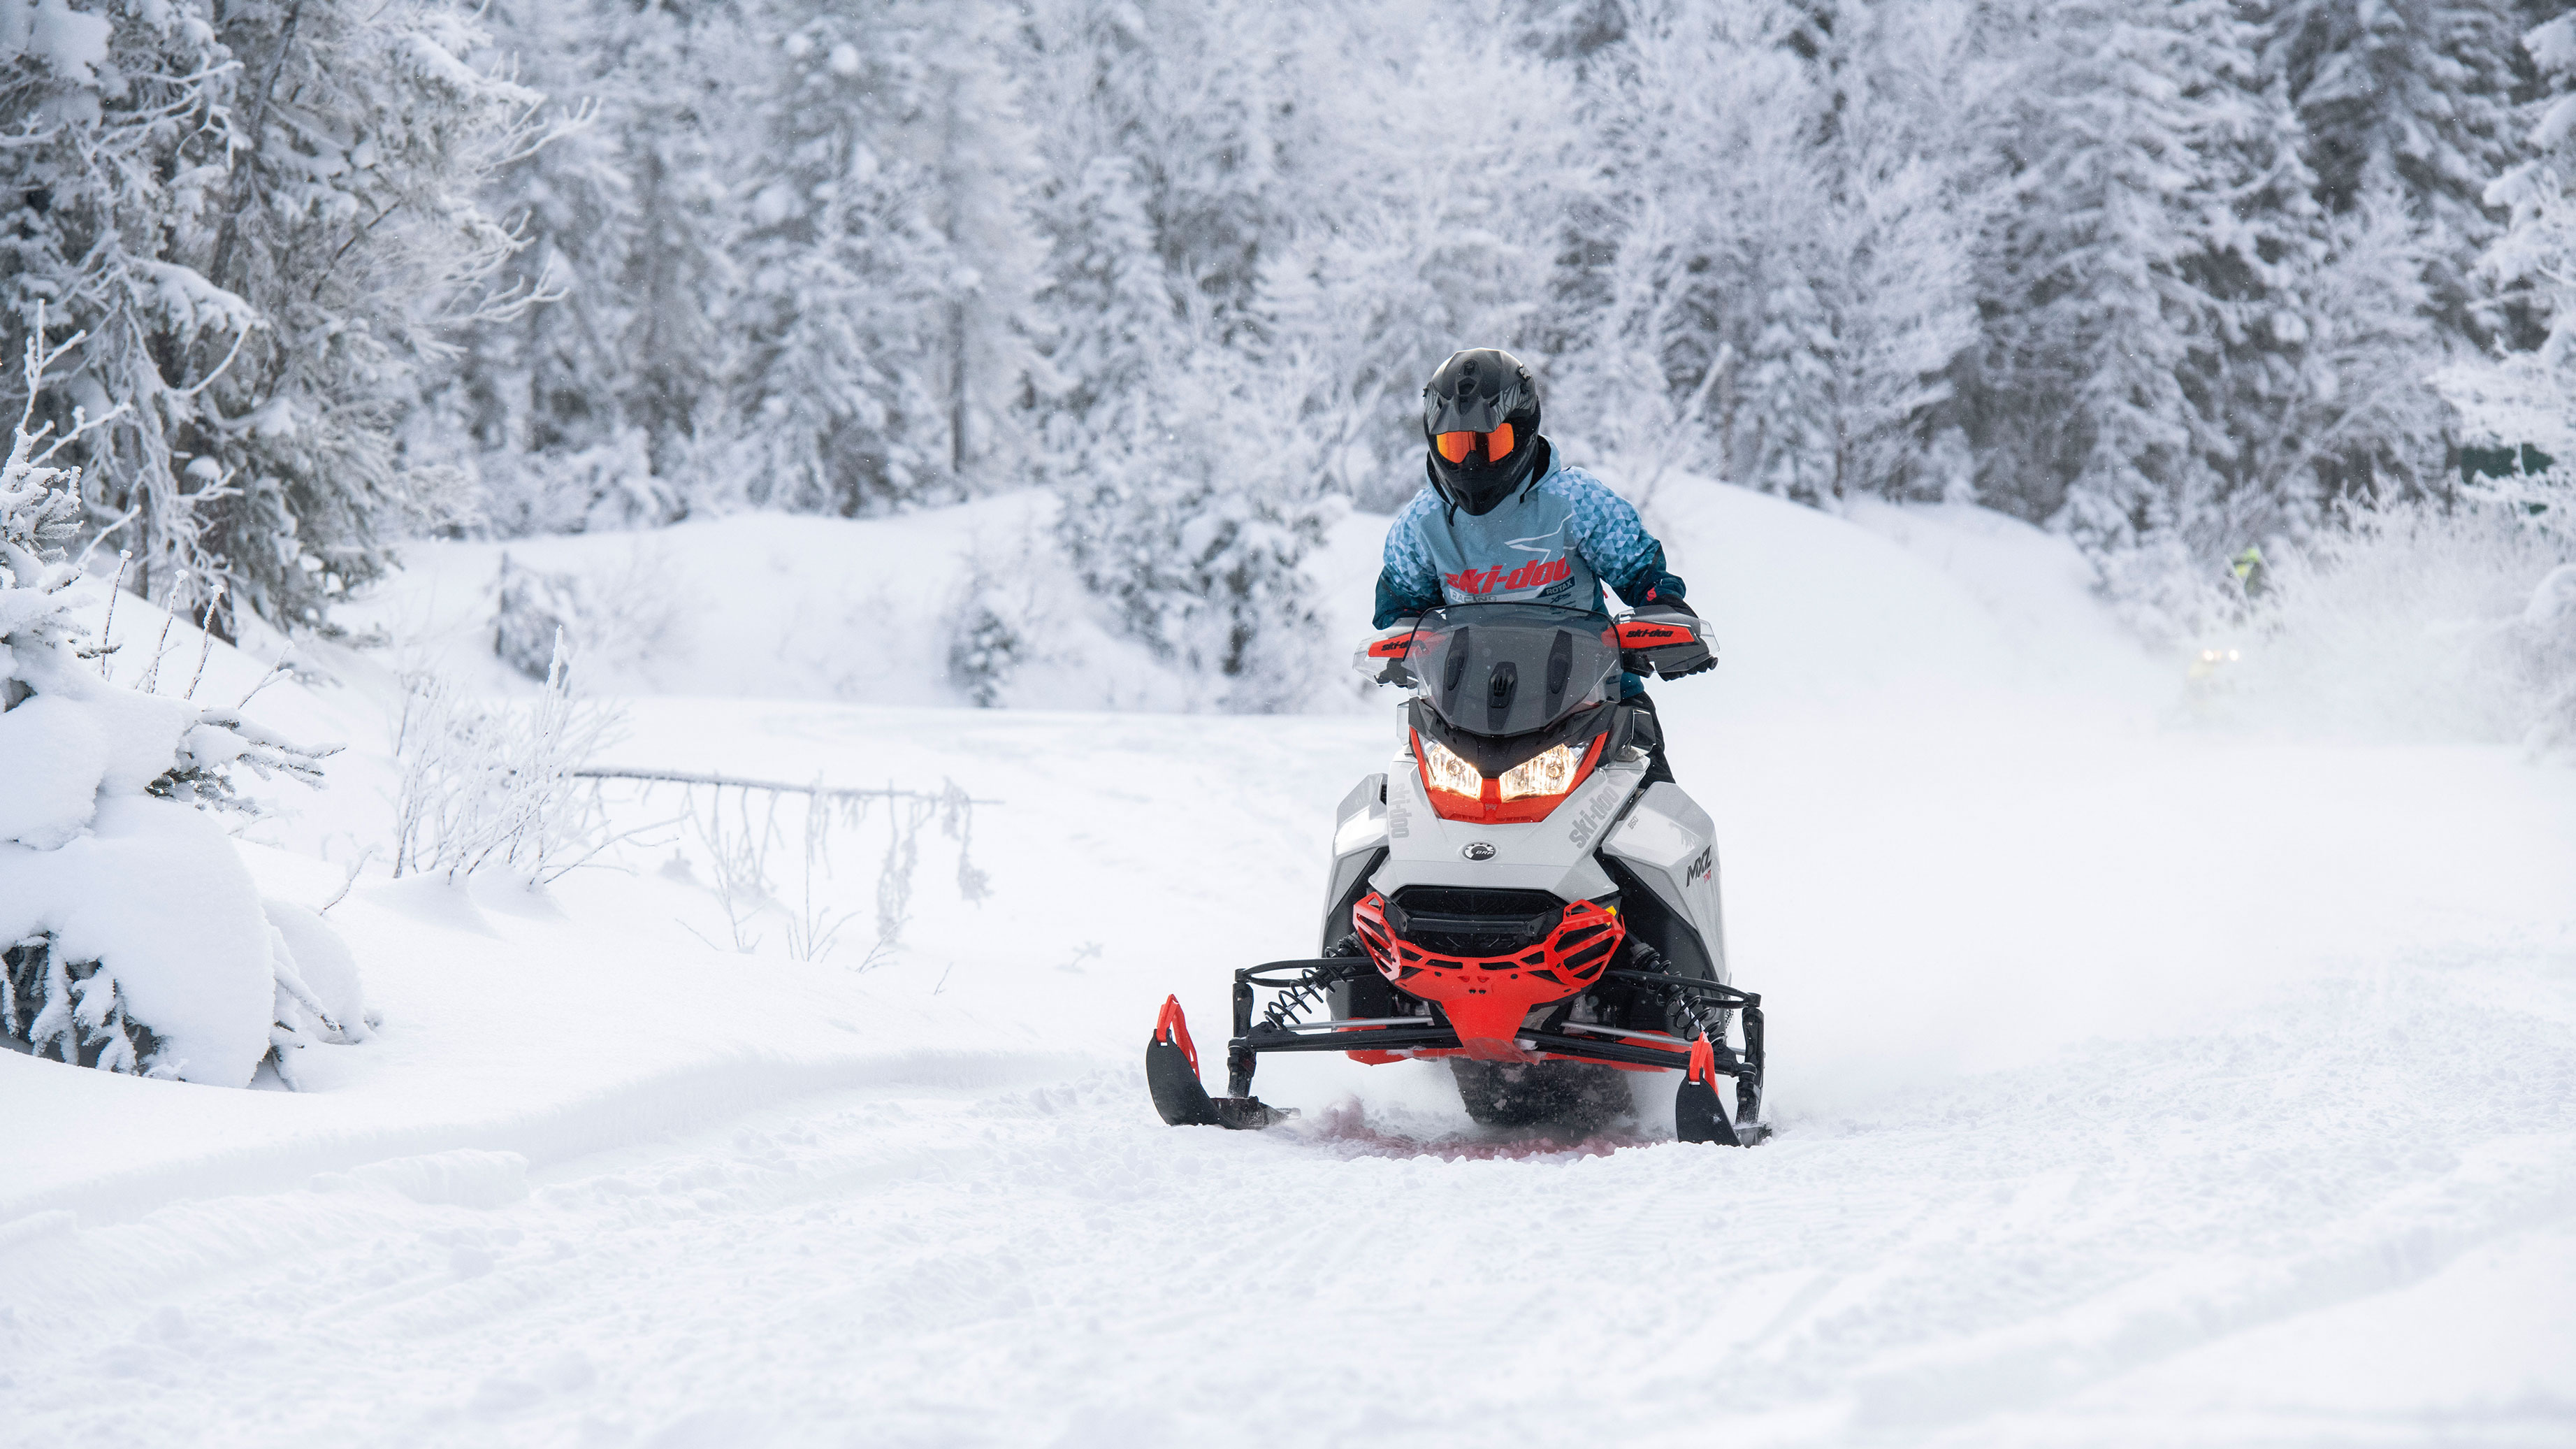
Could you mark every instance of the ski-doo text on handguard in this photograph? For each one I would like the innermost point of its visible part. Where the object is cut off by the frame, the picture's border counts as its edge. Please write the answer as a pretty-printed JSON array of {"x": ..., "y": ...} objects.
[{"x": 1542, "y": 917}]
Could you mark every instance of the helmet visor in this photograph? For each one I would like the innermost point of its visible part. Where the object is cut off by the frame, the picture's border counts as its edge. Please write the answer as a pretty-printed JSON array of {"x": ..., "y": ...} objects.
[{"x": 1459, "y": 447}]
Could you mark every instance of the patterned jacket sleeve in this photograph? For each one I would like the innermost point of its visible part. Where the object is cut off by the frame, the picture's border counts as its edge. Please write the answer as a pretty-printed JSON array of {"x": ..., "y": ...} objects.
[
  {"x": 1407, "y": 584},
  {"x": 1611, "y": 538}
]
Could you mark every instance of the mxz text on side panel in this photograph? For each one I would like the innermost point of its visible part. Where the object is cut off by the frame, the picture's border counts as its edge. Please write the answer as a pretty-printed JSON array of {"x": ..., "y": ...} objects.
[{"x": 1670, "y": 843}]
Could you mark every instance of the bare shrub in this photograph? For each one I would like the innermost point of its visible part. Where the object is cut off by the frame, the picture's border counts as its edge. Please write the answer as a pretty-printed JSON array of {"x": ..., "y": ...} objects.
[{"x": 494, "y": 786}]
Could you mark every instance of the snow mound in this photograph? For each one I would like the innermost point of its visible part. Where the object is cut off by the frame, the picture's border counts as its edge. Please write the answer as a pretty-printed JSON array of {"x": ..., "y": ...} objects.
[
  {"x": 782, "y": 606},
  {"x": 135, "y": 940},
  {"x": 155, "y": 893},
  {"x": 1950, "y": 598},
  {"x": 1952, "y": 605}
]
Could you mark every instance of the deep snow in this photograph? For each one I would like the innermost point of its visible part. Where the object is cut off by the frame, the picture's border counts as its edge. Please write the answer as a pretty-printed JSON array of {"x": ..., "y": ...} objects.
[{"x": 2136, "y": 1083}]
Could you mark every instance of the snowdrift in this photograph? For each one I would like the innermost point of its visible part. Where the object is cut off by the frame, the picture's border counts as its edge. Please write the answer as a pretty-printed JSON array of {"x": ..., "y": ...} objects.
[
  {"x": 797, "y": 606},
  {"x": 1955, "y": 600}
]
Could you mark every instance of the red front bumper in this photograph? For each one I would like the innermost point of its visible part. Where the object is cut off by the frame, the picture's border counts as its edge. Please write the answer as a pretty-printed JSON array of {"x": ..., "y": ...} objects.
[{"x": 1487, "y": 998}]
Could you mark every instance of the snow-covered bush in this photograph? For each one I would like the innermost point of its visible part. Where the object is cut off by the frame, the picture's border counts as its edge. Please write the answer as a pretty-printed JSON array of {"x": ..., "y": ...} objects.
[
  {"x": 493, "y": 786},
  {"x": 1007, "y": 615},
  {"x": 987, "y": 650},
  {"x": 607, "y": 486},
  {"x": 135, "y": 938},
  {"x": 536, "y": 607}
]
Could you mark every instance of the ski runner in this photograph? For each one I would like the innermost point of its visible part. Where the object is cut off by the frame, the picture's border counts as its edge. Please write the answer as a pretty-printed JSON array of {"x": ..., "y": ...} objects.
[{"x": 1502, "y": 520}]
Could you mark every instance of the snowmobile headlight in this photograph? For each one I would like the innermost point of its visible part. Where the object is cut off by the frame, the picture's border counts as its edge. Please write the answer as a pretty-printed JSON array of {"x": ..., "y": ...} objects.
[
  {"x": 1549, "y": 772},
  {"x": 1442, "y": 769}
]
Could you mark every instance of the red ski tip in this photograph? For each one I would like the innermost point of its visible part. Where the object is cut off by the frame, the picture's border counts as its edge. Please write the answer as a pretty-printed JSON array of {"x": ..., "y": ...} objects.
[
  {"x": 1173, "y": 1029},
  {"x": 1703, "y": 1062}
]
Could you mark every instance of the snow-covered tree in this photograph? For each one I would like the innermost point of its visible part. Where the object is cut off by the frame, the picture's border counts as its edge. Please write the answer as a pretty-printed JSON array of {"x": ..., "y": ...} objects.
[
  {"x": 1191, "y": 494},
  {"x": 1672, "y": 277},
  {"x": 263, "y": 216},
  {"x": 610, "y": 405},
  {"x": 1778, "y": 274},
  {"x": 135, "y": 939},
  {"x": 2524, "y": 402},
  {"x": 1864, "y": 344},
  {"x": 2143, "y": 295},
  {"x": 1420, "y": 236},
  {"x": 886, "y": 260},
  {"x": 2410, "y": 98}
]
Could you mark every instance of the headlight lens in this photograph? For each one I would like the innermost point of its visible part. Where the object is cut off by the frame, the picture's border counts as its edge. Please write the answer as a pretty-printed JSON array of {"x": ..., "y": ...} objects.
[
  {"x": 1550, "y": 772},
  {"x": 1442, "y": 767}
]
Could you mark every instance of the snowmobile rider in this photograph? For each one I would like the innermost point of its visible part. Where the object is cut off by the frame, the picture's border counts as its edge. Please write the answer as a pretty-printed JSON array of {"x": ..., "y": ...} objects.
[
  {"x": 1502, "y": 520},
  {"x": 2251, "y": 576}
]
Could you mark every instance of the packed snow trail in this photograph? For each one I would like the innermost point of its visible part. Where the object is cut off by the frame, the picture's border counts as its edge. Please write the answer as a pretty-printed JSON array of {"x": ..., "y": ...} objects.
[
  {"x": 2135, "y": 1085},
  {"x": 2029, "y": 1163},
  {"x": 1044, "y": 1266}
]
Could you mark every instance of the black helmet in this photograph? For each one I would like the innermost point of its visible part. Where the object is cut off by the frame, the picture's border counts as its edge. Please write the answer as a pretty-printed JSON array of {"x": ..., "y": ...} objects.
[{"x": 1480, "y": 402}]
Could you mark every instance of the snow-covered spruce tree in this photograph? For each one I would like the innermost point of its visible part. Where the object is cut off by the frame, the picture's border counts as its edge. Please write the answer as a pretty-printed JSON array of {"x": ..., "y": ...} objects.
[
  {"x": 2142, "y": 297},
  {"x": 1779, "y": 272},
  {"x": 1671, "y": 282},
  {"x": 2410, "y": 98},
  {"x": 2523, "y": 403},
  {"x": 1419, "y": 236},
  {"x": 1191, "y": 488},
  {"x": 591, "y": 411},
  {"x": 1852, "y": 353},
  {"x": 1200, "y": 542},
  {"x": 1305, "y": 197},
  {"x": 2403, "y": 115},
  {"x": 885, "y": 259},
  {"x": 1195, "y": 100},
  {"x": 135, "y": 940},
  {"x": 261, "y": 214},
  {"x": 1180, "y": 506}
]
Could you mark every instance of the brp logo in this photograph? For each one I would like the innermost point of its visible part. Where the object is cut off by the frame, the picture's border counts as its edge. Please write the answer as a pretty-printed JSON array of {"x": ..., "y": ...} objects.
[{"x": 1478, "y": 850}]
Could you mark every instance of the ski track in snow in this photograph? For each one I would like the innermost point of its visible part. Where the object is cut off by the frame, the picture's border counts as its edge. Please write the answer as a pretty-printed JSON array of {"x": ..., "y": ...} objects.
[
  {"x": 1050, "y": 1266},
  {"x": 1991, "y": 1253},
  {"x": 2135, "y": 1086}
]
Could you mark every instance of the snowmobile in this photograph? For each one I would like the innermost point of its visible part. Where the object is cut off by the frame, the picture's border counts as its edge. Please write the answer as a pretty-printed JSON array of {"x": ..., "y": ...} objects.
[{"x": 1513, "y": 895}]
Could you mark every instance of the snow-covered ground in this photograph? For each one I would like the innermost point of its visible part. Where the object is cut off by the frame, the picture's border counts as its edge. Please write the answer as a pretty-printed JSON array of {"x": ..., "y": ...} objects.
[{"x": 2137, "y": 1083}]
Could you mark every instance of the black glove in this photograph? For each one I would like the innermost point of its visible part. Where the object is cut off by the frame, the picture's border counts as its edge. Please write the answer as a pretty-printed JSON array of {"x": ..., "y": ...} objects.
[{"x": 1677, "y": 661}]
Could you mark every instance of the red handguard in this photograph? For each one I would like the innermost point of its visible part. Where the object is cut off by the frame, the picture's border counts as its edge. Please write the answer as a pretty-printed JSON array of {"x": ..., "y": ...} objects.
[{"x": 1654, "y": 634}]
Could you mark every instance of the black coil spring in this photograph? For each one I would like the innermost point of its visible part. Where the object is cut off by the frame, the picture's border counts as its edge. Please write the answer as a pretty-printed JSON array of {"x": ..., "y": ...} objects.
[
  {"x": 1295, "y": 1000},
  {"x": 1682, "y": 1006}
]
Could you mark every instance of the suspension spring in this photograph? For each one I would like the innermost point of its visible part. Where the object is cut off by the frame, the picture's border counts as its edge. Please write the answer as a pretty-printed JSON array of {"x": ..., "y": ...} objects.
[
  {"x": 1711, "y": 1018},
  {"x": 1307, "y": 991}
]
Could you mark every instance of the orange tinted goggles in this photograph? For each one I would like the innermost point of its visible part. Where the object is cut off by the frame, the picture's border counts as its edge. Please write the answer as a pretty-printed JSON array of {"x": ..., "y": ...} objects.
[{"x": 1455, "y": 447}]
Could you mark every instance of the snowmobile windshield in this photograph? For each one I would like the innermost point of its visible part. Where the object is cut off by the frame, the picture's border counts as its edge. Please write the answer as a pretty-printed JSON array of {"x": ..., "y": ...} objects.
[{"x": 1509, "y": 669}]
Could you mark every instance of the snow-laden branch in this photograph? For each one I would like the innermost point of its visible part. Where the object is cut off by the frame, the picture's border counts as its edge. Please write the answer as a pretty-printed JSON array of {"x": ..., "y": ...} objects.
[{"x": 817, "y": 790}]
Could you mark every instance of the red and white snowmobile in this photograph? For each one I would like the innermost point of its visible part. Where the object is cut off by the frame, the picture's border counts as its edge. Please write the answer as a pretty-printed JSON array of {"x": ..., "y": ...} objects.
[{"x": 1514, "y": 895}]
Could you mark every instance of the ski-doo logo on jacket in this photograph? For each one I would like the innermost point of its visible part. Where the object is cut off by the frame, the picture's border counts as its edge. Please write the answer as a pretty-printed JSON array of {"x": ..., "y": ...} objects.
[
  {"x": 1555, "y": 542},
  {"x": 1536, "y": 573}
]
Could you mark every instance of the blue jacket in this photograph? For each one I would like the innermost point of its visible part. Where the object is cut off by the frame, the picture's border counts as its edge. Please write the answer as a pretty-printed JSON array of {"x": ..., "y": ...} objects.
[{"x": 1556, "y": 541}]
